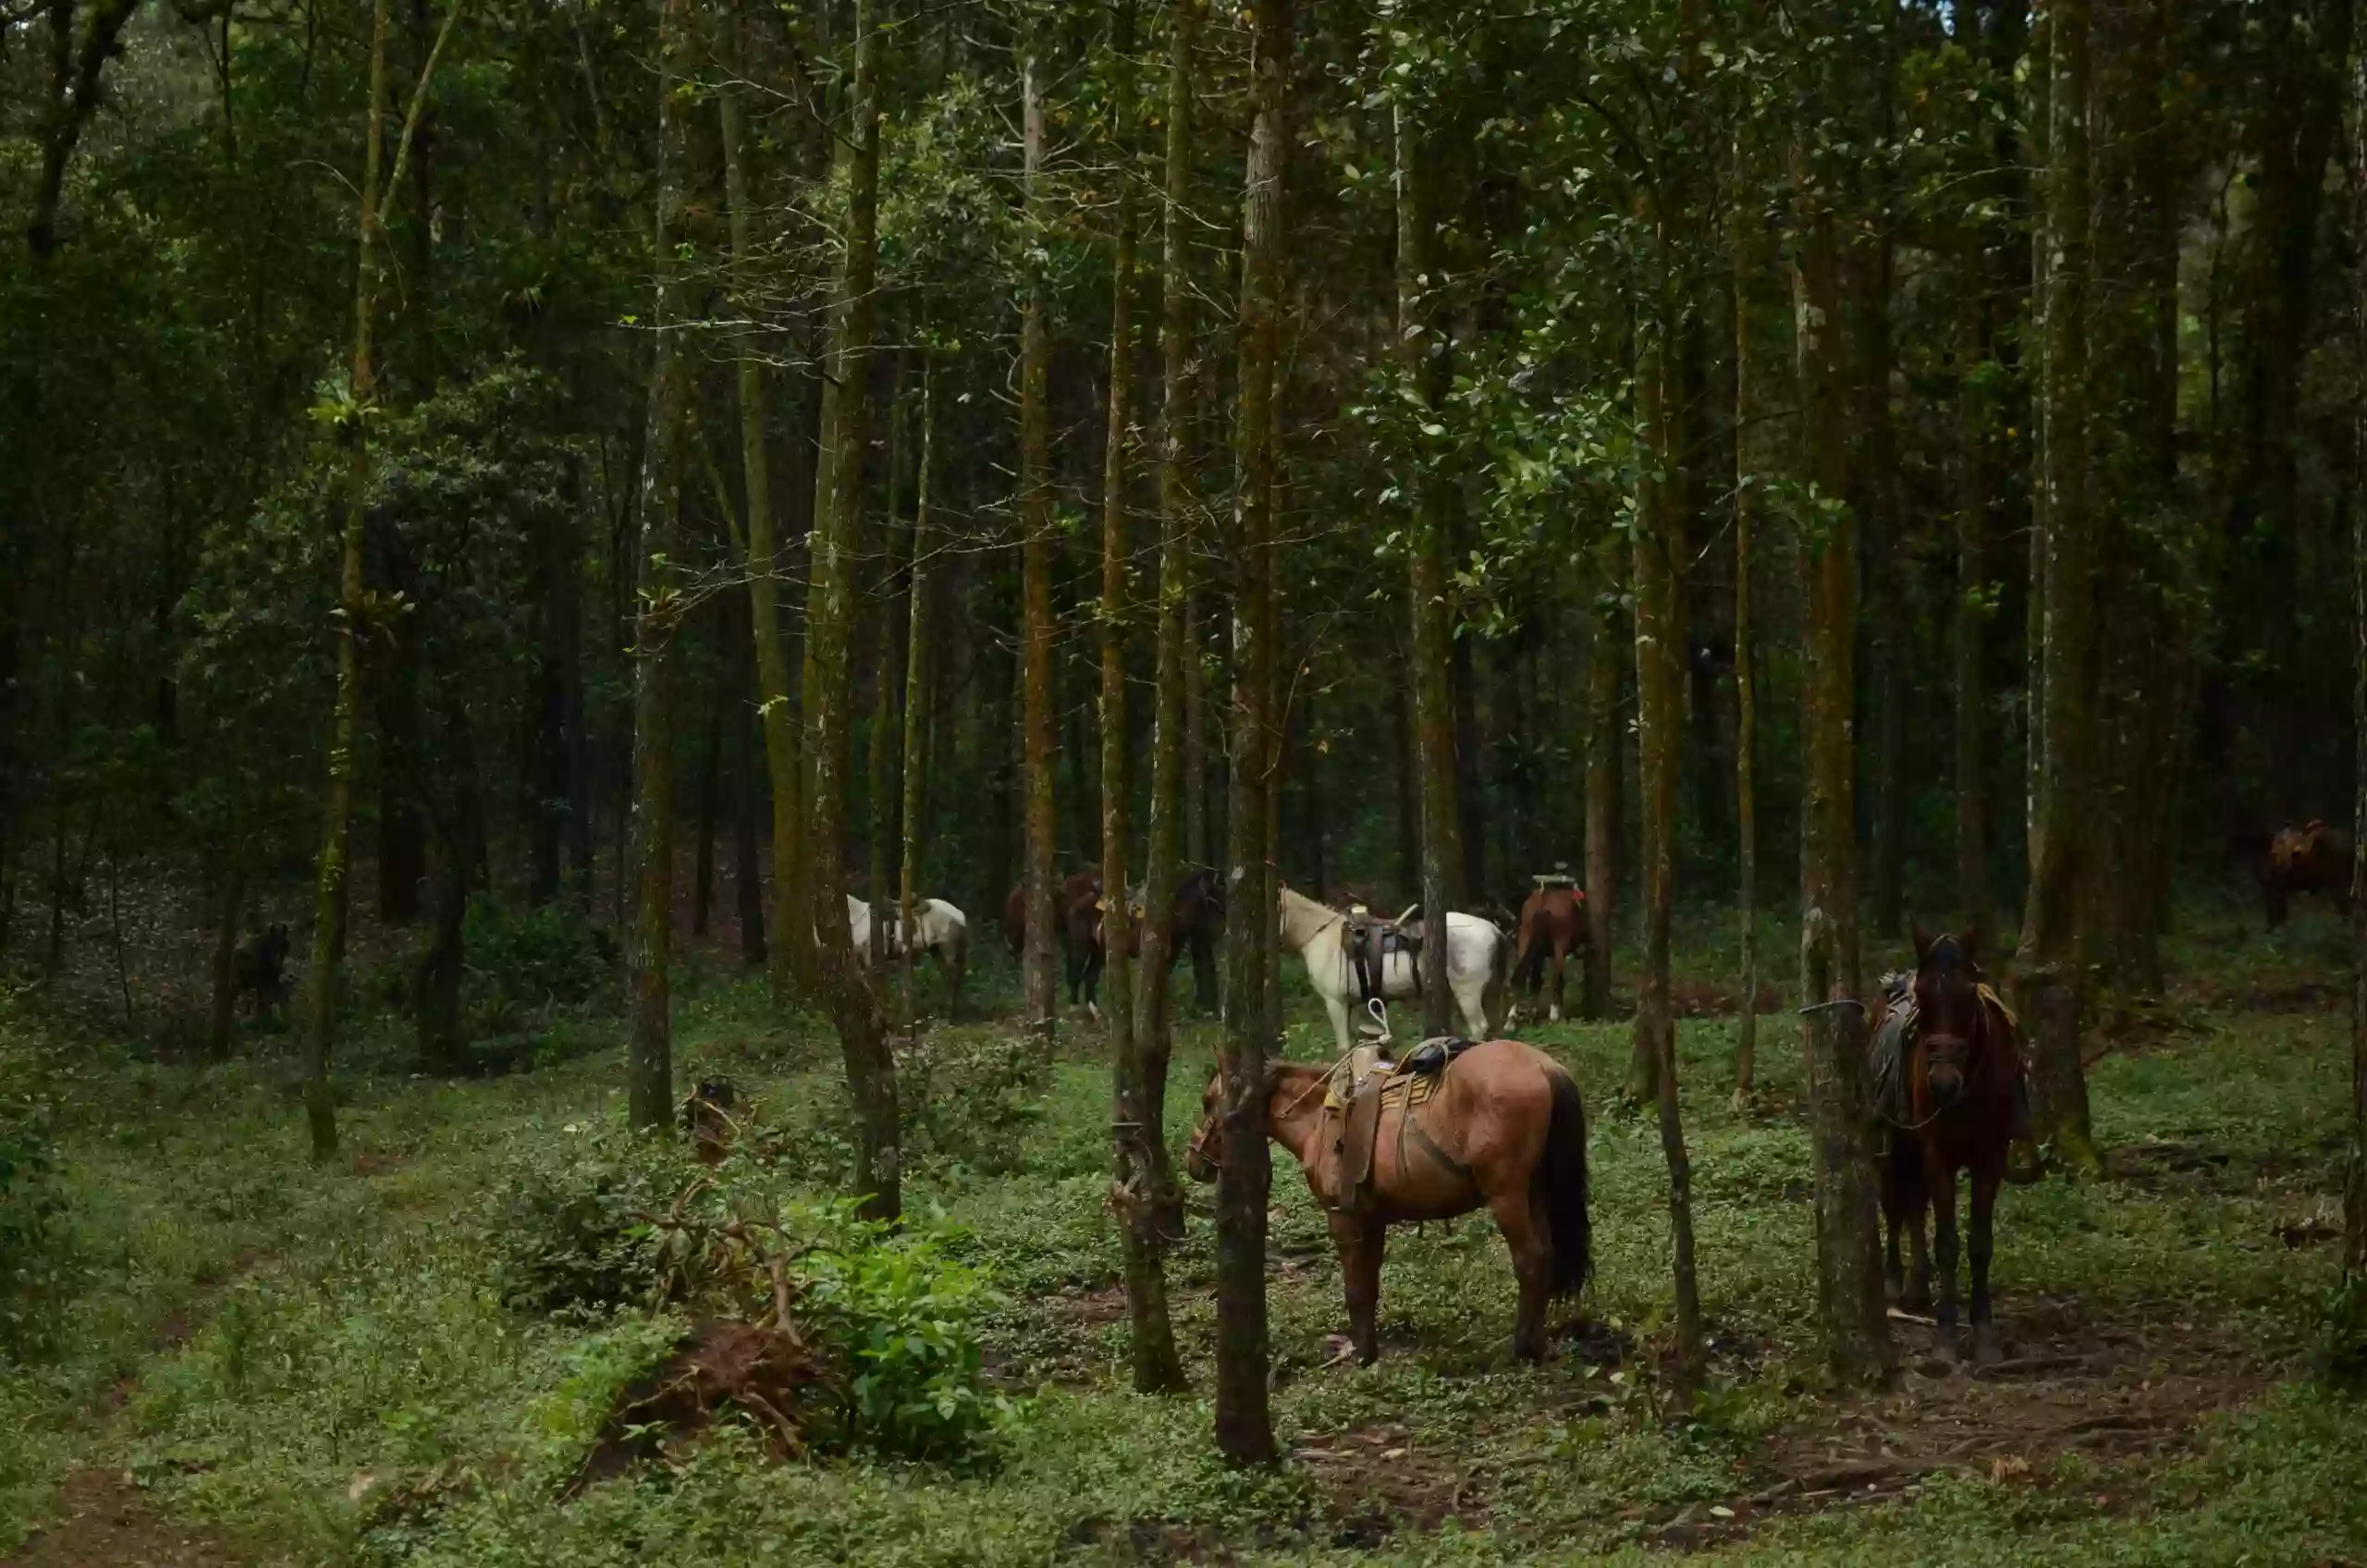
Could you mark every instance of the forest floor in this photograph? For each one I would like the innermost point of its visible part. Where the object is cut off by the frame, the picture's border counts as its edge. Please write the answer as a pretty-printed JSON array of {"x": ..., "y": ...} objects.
[{"x": 263, "y": 1361}]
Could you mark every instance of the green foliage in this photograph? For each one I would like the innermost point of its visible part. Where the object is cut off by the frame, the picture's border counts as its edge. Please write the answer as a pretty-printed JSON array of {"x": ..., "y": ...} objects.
[
  {"x": 525, "y": 962},
  {"x": 579, "y": 1240},
  {"x": 902, "y": 1318},
  {"x": 2342, "y": 1354},
  {"x": 34, "y": 1262}
]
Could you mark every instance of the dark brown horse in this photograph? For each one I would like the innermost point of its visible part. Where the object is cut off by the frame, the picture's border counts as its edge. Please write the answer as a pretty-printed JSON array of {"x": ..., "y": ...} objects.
[
  {"x": 1504, "y": 1129},
  {"x": 1949, "y": 1086},
  {"x": 2313, "y": 859},
  {"x": 1552, "y": 926},
  {"x": 1196, "y": 919},
  {"x": 1077, "y": 922}
]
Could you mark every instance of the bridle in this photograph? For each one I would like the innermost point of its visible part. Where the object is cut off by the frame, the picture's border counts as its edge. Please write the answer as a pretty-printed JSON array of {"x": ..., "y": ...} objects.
[
  {"x": 1974, "y": 1043},
  {"x": 1198, "y": 1146}
]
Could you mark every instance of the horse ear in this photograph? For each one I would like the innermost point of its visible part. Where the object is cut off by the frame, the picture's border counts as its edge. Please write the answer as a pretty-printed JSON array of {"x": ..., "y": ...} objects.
[{"x": 1922, "y": 940}]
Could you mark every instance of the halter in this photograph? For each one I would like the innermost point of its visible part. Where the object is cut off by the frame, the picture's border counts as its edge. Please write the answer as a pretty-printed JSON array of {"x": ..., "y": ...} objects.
[
  {"x": 1198, "y": 1147},
  {"x": 1980, "y": 1035}
]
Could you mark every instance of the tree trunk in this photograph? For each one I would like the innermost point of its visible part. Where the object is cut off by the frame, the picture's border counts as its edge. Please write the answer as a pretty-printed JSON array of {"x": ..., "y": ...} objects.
[
  {"x": 1606, "y": 743},
  {"x": 1422, "y": 351},
  {"x": 1746, "y": 691},
  {"x": 919, "y": 649},
  {"x": 2049, "y": 981},
  {"x": 337, "y": 802},
  {"x": 710, "y": 810},
  {"x": 1888, "y": 615},
  {"x": 442, "y": 1038},
  {"x": 1150, "y": 1208},
  {"x": 1470, "y": 867},
  {"x": 1036, "y": 590},
  {"x": 649, "y": 852},
  {"x": 1849, "y": 1281},
  {"x": 748, "y": 795},
  {"x": 1244, "y": 1428},
  {"x": 2354, "y": 1182},
  {"x": 222, "y": 1020},
  {"x": 792, "y": 945},
  {"x": 830, "y": 618},
  {"x": 1660, "y": 674},
  {"x": 882, "y": 839},
  {"x": 1971, "y": 608}
]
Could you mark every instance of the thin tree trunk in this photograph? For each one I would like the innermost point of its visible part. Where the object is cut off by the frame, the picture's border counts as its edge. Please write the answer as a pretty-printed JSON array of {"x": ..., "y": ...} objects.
[
  {"x": 1036, "y": 589},
  {"x": 1850, "y": 1280},
  {"x": 336, "y": 813},
  {"x": 2354, "y": 1182},
  {"x": 1197, "y": 849},
  {"x": 649, "y": 853},
  {"x": 829, "y": 618},
  {"x": 1422, "y": 353},
  {"x": 1745, "y": 693},
  {"x": 1152, "y": 1210},
  {"x": 919, "y": 649},
  {"x": 1245, "y": 1429},
  {"x": 1606, "y": 744},
  {"x": 222, "y": 1021},
  {"x": 747, "y": 783},
  {"x": 882, "y": 841},
  {"x": 792, "y": 945},
  {"x": 1660, "y": 640},
  {"x": 1971, "y": 610},
  {"x": 2049, "y": 981},
  {"x": 710, "y": 812},
  {"x": 1888, "y": 620}
]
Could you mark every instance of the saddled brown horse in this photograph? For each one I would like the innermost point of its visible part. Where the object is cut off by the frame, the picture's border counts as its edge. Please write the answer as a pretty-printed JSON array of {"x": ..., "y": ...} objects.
[
  {"x": 1552, "y": 926},
  {"x": 2311, "y": 859},
  {"x": 1953, "y": 1106},
  {"x": 1504, "y": 1129}
]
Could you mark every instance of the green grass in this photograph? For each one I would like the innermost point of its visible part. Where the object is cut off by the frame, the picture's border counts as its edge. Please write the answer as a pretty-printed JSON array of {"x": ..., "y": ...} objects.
[{"x": 312, "y": 1360}]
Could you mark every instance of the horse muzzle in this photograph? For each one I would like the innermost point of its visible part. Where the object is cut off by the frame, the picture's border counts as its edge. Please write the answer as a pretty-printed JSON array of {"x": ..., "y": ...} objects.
[
  {"x": 1946, "y": 1082},
  {"x": 1198, "y": 1162}
]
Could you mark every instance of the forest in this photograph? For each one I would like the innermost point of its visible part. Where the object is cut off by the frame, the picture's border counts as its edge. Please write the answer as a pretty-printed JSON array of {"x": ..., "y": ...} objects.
[{"x": 1032, "y": 781}]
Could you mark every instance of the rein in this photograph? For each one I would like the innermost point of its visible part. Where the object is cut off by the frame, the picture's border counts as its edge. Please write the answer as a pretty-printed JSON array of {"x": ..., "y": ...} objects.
[
  {"x": 1198, "y": 1147},
  {"x": 1981, "y": 1038}
]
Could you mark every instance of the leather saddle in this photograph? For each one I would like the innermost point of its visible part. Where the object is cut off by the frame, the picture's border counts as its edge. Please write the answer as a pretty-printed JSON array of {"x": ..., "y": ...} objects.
[
  {"x": 1371, "y": 940},
  {"x": 1361, "y": 1089}
]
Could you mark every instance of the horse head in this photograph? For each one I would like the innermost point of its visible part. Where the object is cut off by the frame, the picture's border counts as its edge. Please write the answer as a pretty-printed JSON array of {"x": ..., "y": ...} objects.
[
  {"x": 1205, "y": 1153},
  {"x": 1952, "y": 1018}
]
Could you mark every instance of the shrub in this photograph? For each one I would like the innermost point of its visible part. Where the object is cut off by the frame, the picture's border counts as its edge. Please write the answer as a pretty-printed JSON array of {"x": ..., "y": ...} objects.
[
  {"x": 32, "y": 1261},
  {"x": 524, "y": 961},
  {"x": 899, "y": 1319},
  {"x": 576, "y": 1243}
]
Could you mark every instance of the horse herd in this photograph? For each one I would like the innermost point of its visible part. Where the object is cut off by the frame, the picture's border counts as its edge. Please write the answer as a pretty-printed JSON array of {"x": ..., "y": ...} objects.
[{"x": 1485, "y": 959}]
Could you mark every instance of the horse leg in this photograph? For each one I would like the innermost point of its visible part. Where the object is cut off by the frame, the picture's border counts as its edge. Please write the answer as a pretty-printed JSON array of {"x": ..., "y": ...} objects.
[
  {"x": 1096, "y": 957},
  {"x": 1894, "y": 1221},
  {"x": 1359, "y": 1243},
  {"x": 1940, "y": 1184},
  {"x": 1560, "y": 969},
  {"x": 1985, "y": 1177},
  {"x": 1532, "y": 1266},
  {"x": 1338, "y": 1008}
]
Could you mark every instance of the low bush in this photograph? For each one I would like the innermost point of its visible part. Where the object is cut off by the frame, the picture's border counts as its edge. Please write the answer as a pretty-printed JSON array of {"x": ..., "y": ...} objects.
[
  {"x": 32, "y": 1250},
  {"x": 523, "y": 962}
]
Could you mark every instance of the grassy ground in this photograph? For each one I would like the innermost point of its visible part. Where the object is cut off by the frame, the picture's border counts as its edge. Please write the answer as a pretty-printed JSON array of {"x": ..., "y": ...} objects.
[{"x": 262, "y": 1361}]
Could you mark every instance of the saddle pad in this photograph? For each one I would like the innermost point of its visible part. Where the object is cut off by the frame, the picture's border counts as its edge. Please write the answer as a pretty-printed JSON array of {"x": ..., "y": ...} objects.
[{"x": 1403, "y": 1087}]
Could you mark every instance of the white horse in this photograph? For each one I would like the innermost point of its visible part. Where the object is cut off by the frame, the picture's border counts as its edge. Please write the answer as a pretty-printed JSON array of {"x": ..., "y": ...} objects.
[
  {"x": 938, "y": 929},
  {"x": 1475, "y": 951}
]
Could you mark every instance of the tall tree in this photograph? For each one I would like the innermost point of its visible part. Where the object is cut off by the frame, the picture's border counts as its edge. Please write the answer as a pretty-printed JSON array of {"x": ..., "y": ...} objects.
[
  {"x": 919, "y": 696},
  {"x": 1036, "y": 573},
  {"x": 1244, "y": 1425},
  {"x": 830, "y": 609},
  {"x": 1849, "y": 1284},
  {"x": 773, "y": 702},
  {"x": 1745, "y": 683},
  {"x": 1606, "y": 745},
  {"x": 1150, "y": 1208},
  {"x": 2051, "y": 991},
  {"x": 1422, "y": 348},
  {"x": 1660, "y": 639},
  {"x": 649, "y": 858},
  {"x": 337, "y": 796}
]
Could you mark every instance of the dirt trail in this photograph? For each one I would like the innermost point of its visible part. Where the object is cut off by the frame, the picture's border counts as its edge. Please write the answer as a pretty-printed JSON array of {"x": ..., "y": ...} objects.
[{"x": 103, "y": 1522}]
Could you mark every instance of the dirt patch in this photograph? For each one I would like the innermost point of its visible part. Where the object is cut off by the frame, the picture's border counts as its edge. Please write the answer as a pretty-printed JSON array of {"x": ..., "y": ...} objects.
[
  {"x": 2129, "y": 1388},
  {"x": 757, "y": 1369},
  {"x": 103, "y": 1522},
  {"x": 1375, "y": 1482}
]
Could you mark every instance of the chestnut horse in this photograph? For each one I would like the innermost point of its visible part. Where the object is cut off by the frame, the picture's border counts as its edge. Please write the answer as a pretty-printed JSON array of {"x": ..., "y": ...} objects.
[
  {"x": 2315, "y": 859},
  {"x": 1957, "y": 1079},
  {"x": 1196, "y": 920},
  {"x": 1504, "y": 1129},
  {"x": 1552, "y": 926}
]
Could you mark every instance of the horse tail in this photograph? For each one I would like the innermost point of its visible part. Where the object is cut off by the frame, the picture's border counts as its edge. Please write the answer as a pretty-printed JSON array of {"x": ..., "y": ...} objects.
[{"x": 1559, "y": 1183}]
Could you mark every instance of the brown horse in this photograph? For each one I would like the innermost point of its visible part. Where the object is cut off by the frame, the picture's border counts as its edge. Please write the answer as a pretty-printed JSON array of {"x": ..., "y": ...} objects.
[
  {"x": 1954, "y": 1088},
  {"x": 1076, "y": 920},
  {"x": 1505, "y": 1128},
  {"x": 1195, "y": 921},
  {"x": 2315, "y": 859},
  {"x": 1552, "y": 926}
]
